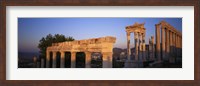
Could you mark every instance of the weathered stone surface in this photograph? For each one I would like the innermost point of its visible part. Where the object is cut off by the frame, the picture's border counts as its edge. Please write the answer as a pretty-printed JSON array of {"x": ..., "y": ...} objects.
[
  {"x": 139, "y": 38},
  {"x": 102, "y": 44},
  {"x": 170, "y": 42}
]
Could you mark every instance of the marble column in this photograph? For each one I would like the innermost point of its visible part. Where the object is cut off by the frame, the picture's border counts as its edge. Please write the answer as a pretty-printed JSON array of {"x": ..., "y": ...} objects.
[
  {"x": 47, "y": 59},
  {"x": 136, "y": 46},
  {"x": 62, "y": 60},
  {"x": 128, "y": 46},
  {"x": 54, "y": 59},
  {"x": 73, "y": 59},
  {"x": 107, "y": 59},
  {"x": 167, "y": 44},
  {"x": 88, "y": 59},
  {"x": 143, "y": 47},
  {"x": 158, "y": 42},
  {"x": 163, "y": 42}
]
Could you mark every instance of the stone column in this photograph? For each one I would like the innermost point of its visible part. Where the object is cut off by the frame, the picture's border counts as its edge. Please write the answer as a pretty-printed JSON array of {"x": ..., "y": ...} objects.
[
  {"x": 163, "y": 42},
  {"x": 140, "y": 47},
  {"x": 128, "y": 46},
  {"x": 62, "y": 59},
  {"x": 176, "y": 45},
  {"x": 47, "y": 59},
  {"x": 88, "y": 59},
  {"x": 144, "y": 47},
  {"x": 173, "y": 43},
  {"x": 167, "y": 44},
  {"x": 153, "y": 49},
  {"x": 171, "y": 59},
  {"x": 181, "y": 42},
  {"x": 54, "y": 59},
  {"x": 136, "y": 46},
  {"x": 170, "y": 42},
  {"x": 149, "y": 50},
  {"x": 107, "y": 59},
  {"x": 180, "y": 45},
  {"x": 180, "y": 52},
  {"x": 73, "y": 59},
  {"x": 158, "y": 42},
  {"x": 172, "y": 56}
]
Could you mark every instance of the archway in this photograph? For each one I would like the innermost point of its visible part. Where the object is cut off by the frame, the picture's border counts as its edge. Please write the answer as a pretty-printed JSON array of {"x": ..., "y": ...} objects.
[
  {"x": 58, "y": 54},
  {"x": 80, "y": 60},
  {"x": 67, "y": 59},
  {"x": 96, "y": 60}
]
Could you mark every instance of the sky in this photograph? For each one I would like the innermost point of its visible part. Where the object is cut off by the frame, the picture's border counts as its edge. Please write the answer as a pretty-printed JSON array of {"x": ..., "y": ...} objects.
[{"x": 31, "y": 30}]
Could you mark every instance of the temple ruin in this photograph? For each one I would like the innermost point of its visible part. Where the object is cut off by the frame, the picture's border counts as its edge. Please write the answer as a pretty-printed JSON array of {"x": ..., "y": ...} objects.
[
  {"x": 171, "y": 42},
  {"x": 166, "y": 46},
  {"x": 103, "y": 45}
]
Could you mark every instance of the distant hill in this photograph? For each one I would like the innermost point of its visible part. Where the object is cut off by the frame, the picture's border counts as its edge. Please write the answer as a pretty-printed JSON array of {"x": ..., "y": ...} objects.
[{"x": 27, "y": 55}]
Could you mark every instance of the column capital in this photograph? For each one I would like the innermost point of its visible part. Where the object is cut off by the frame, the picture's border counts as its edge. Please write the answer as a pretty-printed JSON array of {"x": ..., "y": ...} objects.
[
  {"x": 157, "y": 25},
  {"x": 128, "y": 33},
  {"x": 135, "y": 33},
  {"x": 73, "y": 52}
]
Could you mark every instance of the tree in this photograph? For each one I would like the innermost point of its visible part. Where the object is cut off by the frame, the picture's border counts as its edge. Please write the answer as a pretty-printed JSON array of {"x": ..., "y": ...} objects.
[{"x": 49, "y": 39}]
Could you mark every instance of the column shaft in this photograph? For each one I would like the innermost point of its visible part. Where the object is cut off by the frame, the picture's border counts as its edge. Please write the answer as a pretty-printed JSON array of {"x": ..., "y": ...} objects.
[
  {"x": 140, "y": 47},
  {"x": 54, "y": 59},
  {"x": 176, "y": 45},
  {"x": 128, "y": 46},
  {"x": 107, "y": 59},
  {"x": 171, "y": 59},
  {"x": 158, "y": 42},
  {"x": 73, "y": 59},
  {"x": 62, "y": 60},
  {"x": 163, "y": 42},
  {"x": 144, "y": 47},
  {"x": 153, "y": 48},
  {"x": 173, "y": 40},
  {"x": 88, "y": 59},
  {"x": 167, "y": 44},
  {"x": 149, "y": 50},
  {"x": 47, "y": 59},
  {"x": 136, "y": 46}
]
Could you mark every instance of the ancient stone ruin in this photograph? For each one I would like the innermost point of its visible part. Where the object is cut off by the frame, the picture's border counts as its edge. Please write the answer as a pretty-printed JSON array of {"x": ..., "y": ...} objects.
[
  {"x": 103, "y": 45},
  {"x": 166, "y": 47}
]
